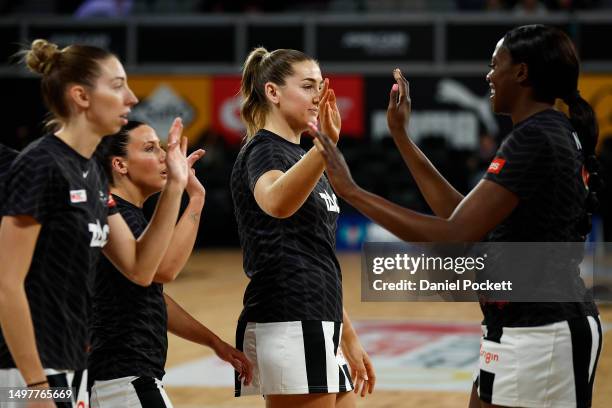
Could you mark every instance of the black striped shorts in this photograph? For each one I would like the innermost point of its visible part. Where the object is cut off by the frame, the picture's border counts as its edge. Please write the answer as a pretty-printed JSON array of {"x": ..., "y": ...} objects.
[
  {"x": 544, "y": 366},
  {"x": 293, "y": 358}
]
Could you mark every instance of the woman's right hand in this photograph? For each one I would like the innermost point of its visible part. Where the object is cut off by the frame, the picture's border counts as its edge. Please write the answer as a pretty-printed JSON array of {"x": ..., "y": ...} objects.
[
  {"x": 176, "y": 155},
  {"x": 329, "y": 115},
  {"x": 398, "y": 111}
]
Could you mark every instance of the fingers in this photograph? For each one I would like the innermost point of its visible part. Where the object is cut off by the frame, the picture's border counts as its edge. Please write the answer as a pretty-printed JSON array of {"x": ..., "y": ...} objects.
[
  {"x": 184, "y": 145},
  {"x": 175, "y": 131},
  {"x": 393, "y": 97},
  {"x": 195, "y": 156},
  {"x": 324, "y": 94},
  {"x": 404, "y": 86},
  {"x": 325, "y": 141},
  {"x": 370, "y": 372}
]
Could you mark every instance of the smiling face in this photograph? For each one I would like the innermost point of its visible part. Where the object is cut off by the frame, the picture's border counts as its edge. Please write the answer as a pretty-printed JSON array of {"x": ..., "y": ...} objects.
[
  {"x": 503, "y": 80},
  {"x": 145, "y": 162},
  {"x": 298, "y": 98},
  {"x": 110, "y": 100}
]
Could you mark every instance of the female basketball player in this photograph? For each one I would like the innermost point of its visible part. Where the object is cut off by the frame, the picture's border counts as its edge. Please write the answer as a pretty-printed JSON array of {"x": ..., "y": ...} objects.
[
  {"x": 58, "y": 215},
  {"x": 293, "y": 323},
  {"x": 533, "y": 191},
  {"x": 130, "y": 322}
]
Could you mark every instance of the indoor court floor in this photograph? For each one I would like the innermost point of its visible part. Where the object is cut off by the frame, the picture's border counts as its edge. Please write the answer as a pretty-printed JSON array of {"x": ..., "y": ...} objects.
[{"x": 424, "y": 352}]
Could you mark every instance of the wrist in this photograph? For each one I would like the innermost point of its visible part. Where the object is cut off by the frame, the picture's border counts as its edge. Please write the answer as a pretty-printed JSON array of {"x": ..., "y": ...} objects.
[
  {"x": 38, "y": 384},
  {"x": 196, "y": 200}
]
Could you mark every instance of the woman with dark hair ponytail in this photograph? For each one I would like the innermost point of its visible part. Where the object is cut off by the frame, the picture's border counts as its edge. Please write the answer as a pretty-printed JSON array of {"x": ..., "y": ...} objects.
[{"x": 541, "y": 187}]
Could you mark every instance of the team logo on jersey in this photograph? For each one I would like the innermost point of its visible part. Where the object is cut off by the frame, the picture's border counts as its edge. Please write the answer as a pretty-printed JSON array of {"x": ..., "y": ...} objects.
[
  {"x": 331, "y": 202},
  {"x": 99, "y": 234},
  {"x": 78, "y": 196},
  {"x": 496, "y": 166}
]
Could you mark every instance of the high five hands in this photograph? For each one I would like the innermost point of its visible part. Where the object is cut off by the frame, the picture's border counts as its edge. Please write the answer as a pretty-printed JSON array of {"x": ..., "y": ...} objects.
[{"x": 398, "y": 114}]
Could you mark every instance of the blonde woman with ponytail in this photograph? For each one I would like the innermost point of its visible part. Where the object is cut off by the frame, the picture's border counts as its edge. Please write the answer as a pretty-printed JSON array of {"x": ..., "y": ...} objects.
[
  {"x": 58, "y": 217},
  {"x": 293, "y": 327}
]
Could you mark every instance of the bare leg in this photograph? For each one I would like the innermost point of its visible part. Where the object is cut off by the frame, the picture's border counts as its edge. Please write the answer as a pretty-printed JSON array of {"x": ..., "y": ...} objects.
[
  {"x": 346, "y": 400},
  {"x": 301, "y": 401}
]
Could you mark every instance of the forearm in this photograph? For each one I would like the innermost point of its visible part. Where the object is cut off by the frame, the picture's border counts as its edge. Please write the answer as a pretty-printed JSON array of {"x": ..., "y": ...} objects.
[
  {"x": 406, "y": 224},
  {"x": 185, "y": 326},
  {"x": 183, "y": 239},
  {"x": 290, "y": 191},
  {"x": 437, "y": 191},
  {"x": 18, "y": 331},
  {"x": 152, "y": 245},
  {"x": 348, "y": 331}
]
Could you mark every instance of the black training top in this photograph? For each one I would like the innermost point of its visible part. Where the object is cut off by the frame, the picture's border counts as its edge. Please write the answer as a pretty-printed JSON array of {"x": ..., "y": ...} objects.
[
  {"x": 129, "y": 321},
  {"x": 68, "y": 195},
  {"x": 7, "y": 155},
  {"x": 291, "y": 262},
  {"x": 541, "y": 162}
]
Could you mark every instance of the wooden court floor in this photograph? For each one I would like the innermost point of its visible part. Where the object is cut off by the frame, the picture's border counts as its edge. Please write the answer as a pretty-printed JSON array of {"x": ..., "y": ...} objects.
[{"x": 211, "y": 289}]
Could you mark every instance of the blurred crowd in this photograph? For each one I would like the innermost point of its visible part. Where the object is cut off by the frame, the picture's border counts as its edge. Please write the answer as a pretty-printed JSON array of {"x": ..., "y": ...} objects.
[{"x": 122, "y": 8}]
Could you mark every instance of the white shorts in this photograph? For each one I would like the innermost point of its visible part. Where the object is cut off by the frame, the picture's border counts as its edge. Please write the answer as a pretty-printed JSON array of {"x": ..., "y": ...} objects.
[
  {"x": 129, "y": 392},
  {"x": 293, "y": 358},
  {"x": 11, "y": 377},
  {"x": 544, "y": 366}
]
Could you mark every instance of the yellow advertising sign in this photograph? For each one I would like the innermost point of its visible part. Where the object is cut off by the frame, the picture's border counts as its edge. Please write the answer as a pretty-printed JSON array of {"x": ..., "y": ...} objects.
[
  {"x": 597, "y": 90},
  {"x": 164, "y": 97}
]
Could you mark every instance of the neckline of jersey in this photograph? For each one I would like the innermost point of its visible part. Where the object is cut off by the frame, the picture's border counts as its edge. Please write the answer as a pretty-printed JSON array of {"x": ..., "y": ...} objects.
[
  {"x": 527, "y": 119},
  {"x": 69, "y": 149},
  {"x": 270, "y": 133}
]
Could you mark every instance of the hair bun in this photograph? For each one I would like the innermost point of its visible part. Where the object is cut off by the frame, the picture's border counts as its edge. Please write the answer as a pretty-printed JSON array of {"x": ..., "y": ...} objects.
[{"x": 41, "y": 57}]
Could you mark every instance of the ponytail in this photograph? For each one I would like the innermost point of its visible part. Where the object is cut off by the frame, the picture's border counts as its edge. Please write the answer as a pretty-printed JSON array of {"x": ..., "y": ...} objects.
[
  {"x": 254, "y": 107},
  {"x": 583, "y": 120}
]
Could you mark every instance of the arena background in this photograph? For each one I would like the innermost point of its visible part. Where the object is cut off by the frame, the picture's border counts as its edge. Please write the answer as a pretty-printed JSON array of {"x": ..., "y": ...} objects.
[{"x": 183, "y": 58}]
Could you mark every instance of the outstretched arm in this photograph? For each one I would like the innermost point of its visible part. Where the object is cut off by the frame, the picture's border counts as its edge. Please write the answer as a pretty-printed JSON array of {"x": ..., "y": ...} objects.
[
  {"x": 479, "y": 212},
  {"x": 280, "y": 194},
  {"x": 440, "y": 195},
  {"x": 184, "y": 325}
]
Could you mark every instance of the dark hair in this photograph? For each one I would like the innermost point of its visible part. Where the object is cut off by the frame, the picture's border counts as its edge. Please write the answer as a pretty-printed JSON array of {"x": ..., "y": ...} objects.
[
  {"x": 59, "y": 68},
  {"x": 115, "y": 146},
  {"x": 553, "y": 69},
  {"x": 259, "y": 68}
]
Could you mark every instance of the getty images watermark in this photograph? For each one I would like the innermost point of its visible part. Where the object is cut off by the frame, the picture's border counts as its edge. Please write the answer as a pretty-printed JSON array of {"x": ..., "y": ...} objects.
[{"x": 519, "y": 271}]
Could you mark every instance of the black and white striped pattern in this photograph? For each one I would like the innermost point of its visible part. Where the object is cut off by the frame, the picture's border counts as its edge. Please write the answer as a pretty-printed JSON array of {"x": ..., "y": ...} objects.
[
  {"x": 544, "y": 366},
  {"x": 129, "y": 392},
  {"x": 77, "y": 380},
  {"x": 293, "y": 358}
]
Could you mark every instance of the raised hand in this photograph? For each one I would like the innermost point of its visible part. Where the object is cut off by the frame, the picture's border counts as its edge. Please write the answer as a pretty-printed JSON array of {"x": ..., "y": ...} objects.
[
  {"x": 176, "y": 155},
  {"x": 398, "y": 111},
  {"x": 329, "y": 115},
  {"x": 194, "y": 188},
  {"x": 337, "y": 170}
]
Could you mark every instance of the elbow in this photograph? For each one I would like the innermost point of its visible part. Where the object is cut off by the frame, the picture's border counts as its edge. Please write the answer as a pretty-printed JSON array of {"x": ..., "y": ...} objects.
[
  {"x": 141, "y": 280},
  {"x": 164, "y": 277},
  {"x": 280, "y": 211}
]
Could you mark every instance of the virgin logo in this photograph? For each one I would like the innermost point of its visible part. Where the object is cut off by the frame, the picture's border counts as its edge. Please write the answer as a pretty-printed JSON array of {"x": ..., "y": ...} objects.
[{"x": 488, "y": 357}]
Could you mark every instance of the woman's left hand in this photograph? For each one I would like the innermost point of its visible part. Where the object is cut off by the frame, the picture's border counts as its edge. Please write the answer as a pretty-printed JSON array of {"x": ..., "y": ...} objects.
[
  {"x": 237, "y": 359},
  {"x": 194, "y": 188},
  {"x": 362, "y": 370},
  {"x": 338, "y": 172},
  {"x": 329, "y": 115}
]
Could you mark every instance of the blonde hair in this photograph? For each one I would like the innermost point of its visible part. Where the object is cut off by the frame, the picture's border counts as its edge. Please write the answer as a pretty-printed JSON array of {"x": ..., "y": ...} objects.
[
  {"x": 259, "y": 68},
  {"x": 78, "y": 64}
]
